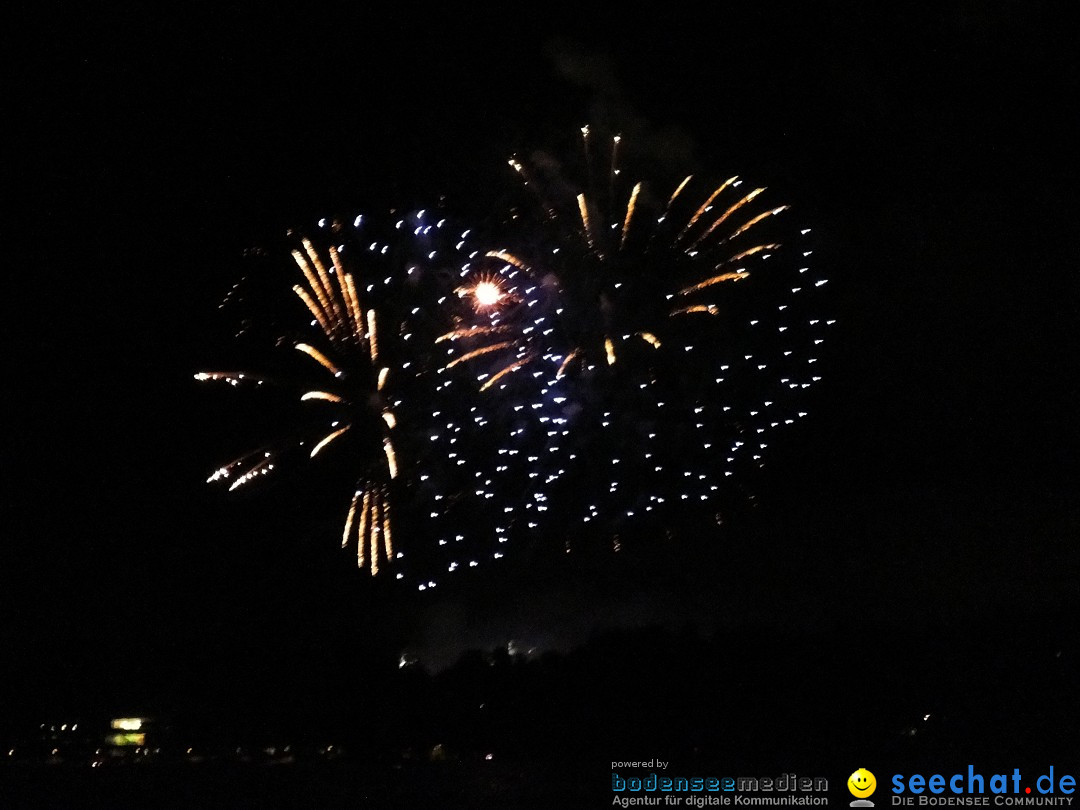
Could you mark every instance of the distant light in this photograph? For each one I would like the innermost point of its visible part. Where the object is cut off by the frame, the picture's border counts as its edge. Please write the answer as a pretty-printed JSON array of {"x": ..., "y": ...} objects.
[{"x": 127, "y": 723}]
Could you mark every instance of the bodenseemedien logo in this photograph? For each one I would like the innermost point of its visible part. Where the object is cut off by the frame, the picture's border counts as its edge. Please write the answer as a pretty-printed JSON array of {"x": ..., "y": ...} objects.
[{"x": 652, "y": 789}]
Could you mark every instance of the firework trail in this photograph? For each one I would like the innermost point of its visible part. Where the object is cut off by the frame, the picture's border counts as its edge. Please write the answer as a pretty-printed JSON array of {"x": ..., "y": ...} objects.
[
  {"x": 638, "y": 345},
  {"x": 352, "y": 353}
]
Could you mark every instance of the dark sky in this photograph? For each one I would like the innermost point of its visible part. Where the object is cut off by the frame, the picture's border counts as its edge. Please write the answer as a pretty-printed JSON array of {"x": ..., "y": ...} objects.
[{"x": 936, "y": 482}]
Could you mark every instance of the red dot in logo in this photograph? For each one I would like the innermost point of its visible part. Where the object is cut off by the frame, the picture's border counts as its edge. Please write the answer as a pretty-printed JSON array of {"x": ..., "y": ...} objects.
[{"x": 1027, "y": 790}]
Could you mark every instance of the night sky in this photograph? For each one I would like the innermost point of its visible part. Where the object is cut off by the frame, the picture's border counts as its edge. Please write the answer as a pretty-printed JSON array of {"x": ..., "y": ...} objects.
[{"x": 934, "y": 485}]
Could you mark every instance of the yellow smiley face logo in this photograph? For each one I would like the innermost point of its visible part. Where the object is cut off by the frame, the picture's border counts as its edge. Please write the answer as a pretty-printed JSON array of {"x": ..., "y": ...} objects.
[{"x": 861, "y": 783}]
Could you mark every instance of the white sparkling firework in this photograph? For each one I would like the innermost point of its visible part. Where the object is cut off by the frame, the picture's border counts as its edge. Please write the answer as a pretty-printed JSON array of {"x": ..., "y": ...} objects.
[
  {"x": 644, "y": 345},
  {"x": 609, "y": 363}
]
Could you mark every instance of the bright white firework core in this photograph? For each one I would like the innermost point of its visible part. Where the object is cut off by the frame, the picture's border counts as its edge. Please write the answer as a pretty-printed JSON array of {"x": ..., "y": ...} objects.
[{"x": 487, "y": 293}]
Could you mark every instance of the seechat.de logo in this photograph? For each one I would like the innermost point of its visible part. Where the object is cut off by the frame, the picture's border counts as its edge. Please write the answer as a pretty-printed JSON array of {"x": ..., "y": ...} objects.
[{"x": 862, "y": 785}]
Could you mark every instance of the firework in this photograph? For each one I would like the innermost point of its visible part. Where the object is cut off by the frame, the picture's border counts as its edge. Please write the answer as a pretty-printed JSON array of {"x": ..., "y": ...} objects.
[
  {"x": 637, "y": 344},
  {"x": 351, "y": 350},
  {"x": 605, "y": 363}
]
